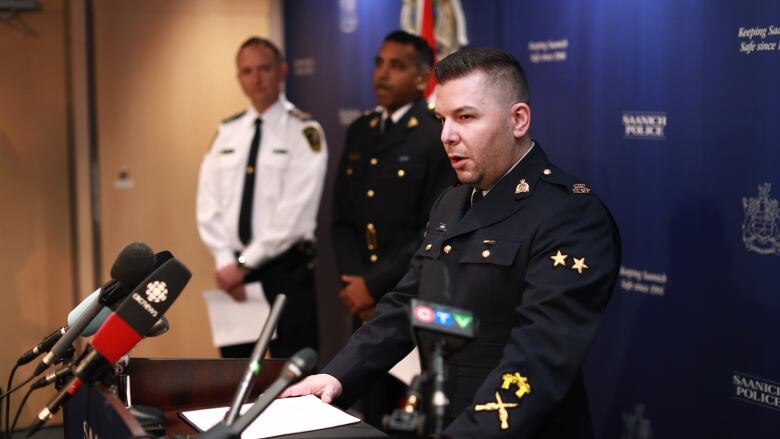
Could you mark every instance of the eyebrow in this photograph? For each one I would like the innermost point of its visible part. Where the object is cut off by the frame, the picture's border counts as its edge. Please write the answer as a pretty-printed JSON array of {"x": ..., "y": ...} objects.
[{"x": 461, "y": 109}]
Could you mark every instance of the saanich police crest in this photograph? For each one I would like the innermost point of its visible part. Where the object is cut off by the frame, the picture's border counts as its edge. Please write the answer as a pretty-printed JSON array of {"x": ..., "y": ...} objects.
[{"x": 761, "y": 229}]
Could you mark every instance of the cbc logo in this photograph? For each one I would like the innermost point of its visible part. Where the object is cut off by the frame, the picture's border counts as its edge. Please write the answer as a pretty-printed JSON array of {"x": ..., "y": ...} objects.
[{"x": 156, "y": 291}]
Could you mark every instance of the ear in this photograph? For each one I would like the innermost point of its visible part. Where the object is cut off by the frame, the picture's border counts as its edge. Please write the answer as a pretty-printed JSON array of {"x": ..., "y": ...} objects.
[
  {"x": 521, "y": 119},
  {"x": 421, "y": 81},
  {"x": 283, "y": 69}
]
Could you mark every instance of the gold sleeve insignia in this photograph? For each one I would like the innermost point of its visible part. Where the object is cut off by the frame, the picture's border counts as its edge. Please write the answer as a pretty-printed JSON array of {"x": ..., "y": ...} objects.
[
  {"x": 313, "y": 137},
  {"x": 501, "y": 407},
  {"x": 510, "y": 379},
  {"x": 413, "y": 122},
  {"x": 580, "y": 188}
]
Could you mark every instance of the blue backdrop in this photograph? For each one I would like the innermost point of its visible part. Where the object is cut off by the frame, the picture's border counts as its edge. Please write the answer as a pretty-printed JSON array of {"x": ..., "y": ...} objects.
[{"x": 669, "y": 110}]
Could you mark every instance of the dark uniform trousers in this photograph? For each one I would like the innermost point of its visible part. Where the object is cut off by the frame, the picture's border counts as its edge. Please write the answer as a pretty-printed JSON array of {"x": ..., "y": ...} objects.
[
  {"x": 292, "y": 274},
  {"x": 385, "y": 187},
  {"x": 535, "y": 261}
]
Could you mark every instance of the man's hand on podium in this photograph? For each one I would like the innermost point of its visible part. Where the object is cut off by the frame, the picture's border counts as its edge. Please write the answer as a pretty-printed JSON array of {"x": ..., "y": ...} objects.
[{"x": 325, "y": 386}]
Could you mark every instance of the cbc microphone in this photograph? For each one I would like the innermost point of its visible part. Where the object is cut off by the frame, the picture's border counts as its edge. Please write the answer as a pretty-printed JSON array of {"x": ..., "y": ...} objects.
[
  {"x": 123, "y": 329},
  {"x": 298, "y": 366},
  {"x": 134, "y": 262}
]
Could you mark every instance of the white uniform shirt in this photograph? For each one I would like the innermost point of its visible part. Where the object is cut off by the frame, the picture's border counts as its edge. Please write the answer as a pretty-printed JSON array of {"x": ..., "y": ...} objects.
[{"x": 290, "y": 175}]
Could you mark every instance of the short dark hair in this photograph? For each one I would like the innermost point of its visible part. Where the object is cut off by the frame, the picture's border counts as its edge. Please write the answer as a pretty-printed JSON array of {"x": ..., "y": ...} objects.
[
  {"x": 421, "y": 47},
  {"x": 495, "y": 63},
  {"x": 262, "y": 42}
]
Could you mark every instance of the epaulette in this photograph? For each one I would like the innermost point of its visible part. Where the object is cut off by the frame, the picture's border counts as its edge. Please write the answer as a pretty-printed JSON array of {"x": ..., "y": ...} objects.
[
  {"x": 234, "y": 117},
  {"x": 569, "y": 182},
  {"x": 299, "y": 114}
]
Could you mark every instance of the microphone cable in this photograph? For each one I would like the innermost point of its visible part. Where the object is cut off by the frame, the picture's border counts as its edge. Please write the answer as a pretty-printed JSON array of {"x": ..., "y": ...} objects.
[{"x": 8, "y": 400}]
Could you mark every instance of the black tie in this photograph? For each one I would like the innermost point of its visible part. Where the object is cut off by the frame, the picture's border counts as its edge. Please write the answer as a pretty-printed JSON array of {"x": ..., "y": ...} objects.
[
  {"x": 476, "y": 197},
  {"x": 248, "y": 196},
  {"x": 388, "y": 125}
]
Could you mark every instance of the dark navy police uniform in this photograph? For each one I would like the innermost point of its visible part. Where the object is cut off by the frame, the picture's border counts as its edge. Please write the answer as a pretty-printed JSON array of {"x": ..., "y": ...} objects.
[
  {"x": 535, "y": 261},
  {"x": 386, "y": 185}
]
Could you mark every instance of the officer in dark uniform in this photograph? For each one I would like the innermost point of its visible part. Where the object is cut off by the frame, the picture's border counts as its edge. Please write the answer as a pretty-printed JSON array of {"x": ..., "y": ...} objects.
[
  {"x": 392, "y": 169},
  {"x": 524, "y": 246}
]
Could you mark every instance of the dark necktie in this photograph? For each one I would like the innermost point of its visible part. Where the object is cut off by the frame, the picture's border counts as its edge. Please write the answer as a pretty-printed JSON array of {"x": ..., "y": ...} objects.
[
  {"x": 388, "y": 125},
  {"x": 248, "y": 195},
  {"x": 476, "y": 197}
]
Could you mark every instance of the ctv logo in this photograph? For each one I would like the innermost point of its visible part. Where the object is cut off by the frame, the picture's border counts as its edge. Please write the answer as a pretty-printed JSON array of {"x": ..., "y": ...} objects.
[{"x": 440, "y": 317}]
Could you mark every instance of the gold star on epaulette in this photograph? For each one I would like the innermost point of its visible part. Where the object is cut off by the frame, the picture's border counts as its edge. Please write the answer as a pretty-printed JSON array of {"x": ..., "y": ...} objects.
[
  {"x": 523, "y": 388},
  {"x": 500, "y": 406},
  {"x": 559, "y": 259},
  {"x": 412, "y": 122},
  {"x": 579, "y": 265},
  {"x": 372, "y": 123}
]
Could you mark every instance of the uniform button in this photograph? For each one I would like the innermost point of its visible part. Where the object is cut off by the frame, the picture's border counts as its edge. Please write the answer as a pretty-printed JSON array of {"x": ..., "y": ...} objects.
[
  {"x": 401, "y": 173},
  {"x": 370, "y": 193},
  {"x": 428, "y": 247},
  {"x": 373, "y": 161},
  {"x": 373, "y": 258},
  {"x": 370, "y": 226},
  {"x": 447, "y": 249},
  {"x": 547, "y": 171},
  {"x": 485, "y": 254},
  {"x": 349, "y": 171},
  {"x": 250, "y": 170}
]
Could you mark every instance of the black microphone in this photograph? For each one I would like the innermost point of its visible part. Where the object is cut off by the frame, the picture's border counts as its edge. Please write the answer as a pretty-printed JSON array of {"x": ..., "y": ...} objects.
[
  {"x": 255, "y": 360},
  {"x": 298, "y": 366},
  {"x": 134, "y": 262},
  {"x": 122, "y": 330},
  {"x": 439, "y": 331},
  {"x": 42, "y": 347},
  {"x": 52, "y": 377}
]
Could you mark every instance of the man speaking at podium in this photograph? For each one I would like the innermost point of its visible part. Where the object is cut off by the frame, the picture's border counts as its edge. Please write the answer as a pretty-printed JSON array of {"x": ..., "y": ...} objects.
[{"x": 526, "y": 247}]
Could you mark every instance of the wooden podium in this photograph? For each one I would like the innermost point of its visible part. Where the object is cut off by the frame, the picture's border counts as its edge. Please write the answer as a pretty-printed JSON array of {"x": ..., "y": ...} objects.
[{"x": 174, "y": 385}]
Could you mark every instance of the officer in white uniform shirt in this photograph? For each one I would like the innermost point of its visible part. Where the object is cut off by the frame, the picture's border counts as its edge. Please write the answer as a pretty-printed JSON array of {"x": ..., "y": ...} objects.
[{"x": 259, "y": 191}]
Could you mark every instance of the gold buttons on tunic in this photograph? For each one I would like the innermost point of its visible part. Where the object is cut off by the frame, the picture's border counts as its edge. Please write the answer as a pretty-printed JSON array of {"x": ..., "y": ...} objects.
[
  {"x": 485, "y": 254},
  {"x": 373, "y": 161},
  {"x": 401, "y": 173},
  {"x": 447, "y": 249},
  {"x": 428, "y": 247},
  {"x": 373, "y": 258},
  {"x": 370, "y": 193},
  {"x": 370, "y": 226},
  {"x": 349, "y": 171},
  {"x": 250, "y": 170}
]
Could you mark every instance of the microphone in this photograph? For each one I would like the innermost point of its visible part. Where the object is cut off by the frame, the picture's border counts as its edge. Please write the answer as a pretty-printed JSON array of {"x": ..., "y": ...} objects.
[
  {"x": 439, "y": 331},
  {"x": 298, "y": 366},
  {"x": 41, "y": 347},
  {"x": 123, "y": 329},
  {"x": 134, "y": 262},
  {"x": 253, "y": 367}
]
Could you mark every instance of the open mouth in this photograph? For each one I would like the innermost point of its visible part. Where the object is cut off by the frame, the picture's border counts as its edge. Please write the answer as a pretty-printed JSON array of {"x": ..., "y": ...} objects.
[{"x": 457, "y": 161}]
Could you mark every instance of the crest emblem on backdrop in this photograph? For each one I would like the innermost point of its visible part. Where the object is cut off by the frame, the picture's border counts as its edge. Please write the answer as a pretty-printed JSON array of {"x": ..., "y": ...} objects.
[
  {"x": 444, "y": 28},
  {"x": 761, "y": 229}
]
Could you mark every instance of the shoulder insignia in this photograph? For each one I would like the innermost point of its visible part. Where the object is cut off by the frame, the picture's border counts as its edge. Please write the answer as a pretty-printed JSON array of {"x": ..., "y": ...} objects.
[
  {"x": 413, "y": 122},
  {"x": 312, "y": 135},
  {"x": 299, "y": 114},
  {"x": 372, "y": 123},
  {"x": 234, "y": 117},
  {"x": 580, "y": 188}
]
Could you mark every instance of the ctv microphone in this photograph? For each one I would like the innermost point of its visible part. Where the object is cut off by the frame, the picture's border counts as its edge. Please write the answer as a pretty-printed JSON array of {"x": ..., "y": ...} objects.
[
  {"x": 440, "y": 331},
  {"x": 253, "y": 367},
  {"x": 123, "y": 329},
  {"x": 298, "y": 366},
  {"x": 134, "y": 262}
]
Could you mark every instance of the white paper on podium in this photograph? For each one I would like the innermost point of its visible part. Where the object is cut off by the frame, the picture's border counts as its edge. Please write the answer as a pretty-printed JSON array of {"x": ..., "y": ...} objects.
[
  {"x": 237, "y": 322},
  {"x": 408, "y": 368},
  {"x": 283, "y": 416}
]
